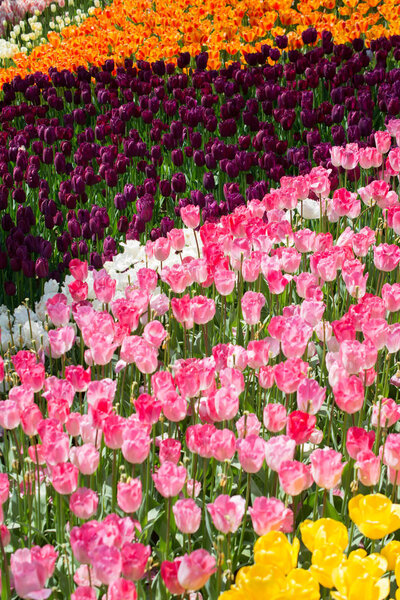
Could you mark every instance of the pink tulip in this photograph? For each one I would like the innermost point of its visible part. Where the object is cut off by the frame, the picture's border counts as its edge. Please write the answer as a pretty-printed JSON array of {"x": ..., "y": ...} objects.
[
  {"x": 274, "y": 417},
  {"x": 121, "y": 589},
  {"x": 174, "y": 406},
  {"x": 4, "y": 488},
  {"x": 252, "y": 303},
  {"x": 170, "y": 450},
  {"x": 310, "y": 396},
  {"x": 134, "y": 559},
  {"x": 86, "y": 458},
  {"x": 107, "y": 563},
  {"x": 190, "y": 215},
  {"x": 223, "y": 444},
  {"x": 391, "y": 296},
  {"x": 31, "y": 568},
  {"x": 300, "y": 425},
  {"x": 386, "y": 257},
  {"x": 326, "y": 467},
  {"x": 169, "y": 575},
  {"x": 83, "y": 503},
  {"x": 177, "y": 239},
  {"x": 294, "y": 477},
  {"x": 349, "y": 394},
  {"x": 203, "y": 309},
  {"x": 251, "y": 451},
  {"x": 78, "y": 269},
  {"x": 84, "y": 593},
  {"x": 278, "y": 449},
  {"x": 369, "y": 467},
  {"x": 61, "y": 340},
  {"x": 9, "y": 414},
  {"x": 248, "y": 425},
  {"x": 224, "y": 281},
  {"x": 34, "y": 377},
  {"x": 266, "y": 377},
  {"x": 104, "y": 286},
  {"x": 58, "y": 310},
  {"x": 161, "y": 248},
  {"x": 187, "y": 515},
  {"x": 376, "y": 330},
  {"x": 258, "y": 353},
  {"x": 386, "y": 412},
  {"x": 78, "y": 377},
  {"x": 391, "y": 453},
  {"x": 154, "y": 333},
  {"x": 169, "y": 479},
  {"x": 55, "y": 447},
  {"x": 358, "y": 440},
  {"x": 289, "y": 374},
  {"x": 136, "y": 447},
  {"x": 227, "y": 513},
  {"x": 196, "y": 569},
  {"x": 114, "y": 431},
  {"x": 224, "y": 404},
  {"x": 129, "y": 495},
  {"x": 79, "y": 290},
  {"x": 383, "y": 141},
  {"x": 65, "y": 478},
  {"x": 148, "y": 409},
  {"x": 270, "y": 514}
]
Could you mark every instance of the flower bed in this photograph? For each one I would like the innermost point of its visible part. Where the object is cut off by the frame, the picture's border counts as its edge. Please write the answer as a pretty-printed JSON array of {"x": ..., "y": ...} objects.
[
  {"x": 96, "y": 158},
  {"x": 220, "y": 387},
  {"x": 156, "y": 30}
]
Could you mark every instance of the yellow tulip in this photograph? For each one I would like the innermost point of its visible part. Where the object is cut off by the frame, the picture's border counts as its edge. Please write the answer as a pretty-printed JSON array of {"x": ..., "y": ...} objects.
[
  {"x": 302, "y": 586},
  {"x": 261, "y": 581},
  {"x": 364, "y": 588},
  {"x": 275, "y": 549},
  {"x": 359, "y": 577},
  {"x": 397, "y": 571},
  {"x": 324, "y": 531},
  {"x": 391, "y": 552},
  {"x": 233, "y": 594},
  {"x": 374, "y": 515},
  {"x": 324, "y": 560}
]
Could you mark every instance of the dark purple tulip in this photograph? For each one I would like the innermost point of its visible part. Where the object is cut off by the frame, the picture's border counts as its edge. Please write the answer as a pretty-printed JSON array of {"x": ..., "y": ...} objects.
[
  {"x": 95, "y": 260},
  {"x": 177, "y": 157},
  {"x": 208, "y": 181},
  {"x": 19, "y": 196},
  {"x": 155, "y": 234},
  {"x": 165, "y": 188},
  {"x": 281, "y": 41},
  {"x": 337, "y": 113},
  {"x": 274, "y": 54},
  {"x": 83, "y": 248},
  {"x": 9, "y": 288},
  {"x": 309, "y": 36},
  {"x": 166, "y": 224},
  {"x": 41, "y": 268},
  {"x": 201, "y": 61},
  {"x": 338, "y": 135},
  {"x": 111, "y": 177},
  {"x": 178, "y": 183},
  {"x": 130, "y": 192},
  {"x": 123, "y": 224}
]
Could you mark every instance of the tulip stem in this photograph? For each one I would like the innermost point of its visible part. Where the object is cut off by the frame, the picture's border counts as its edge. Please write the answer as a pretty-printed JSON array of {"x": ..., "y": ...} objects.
[
  {"x": 248, "y": 485},
  {"x": 6, "y": 583},
  {"x": 324, "y": 502},
  {"x": 114, "y": 480},
  {"x": 168, "y": 503}
]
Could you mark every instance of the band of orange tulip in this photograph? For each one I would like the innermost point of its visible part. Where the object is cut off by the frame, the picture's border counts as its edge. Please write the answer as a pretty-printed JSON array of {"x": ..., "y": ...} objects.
[{"x": 157, "y": 30}]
